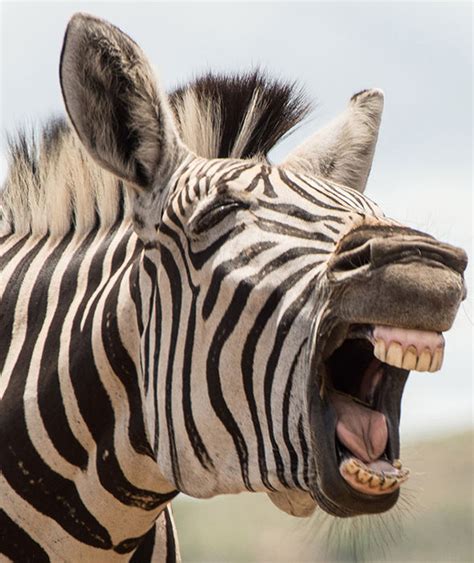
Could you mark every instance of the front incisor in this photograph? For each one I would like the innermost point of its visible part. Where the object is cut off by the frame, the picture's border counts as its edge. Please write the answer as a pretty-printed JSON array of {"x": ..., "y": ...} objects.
[
  {"x": 409, "y": 358},
  {"x": 424, "y": 361},
  {"x": 437, "y": 360},
  {"x": 395, "y": 355}
]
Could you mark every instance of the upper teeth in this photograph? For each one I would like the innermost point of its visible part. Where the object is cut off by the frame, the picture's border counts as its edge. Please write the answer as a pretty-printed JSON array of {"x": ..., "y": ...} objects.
[
  {"x": 409, "y": 349},
  {"x": 410, "y": 358}
]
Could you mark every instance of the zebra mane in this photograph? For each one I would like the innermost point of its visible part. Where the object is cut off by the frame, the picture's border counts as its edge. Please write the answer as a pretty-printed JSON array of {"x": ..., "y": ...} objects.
[
  {"x": 237, "y": 115},
  {"x": 53, "y": 186}
]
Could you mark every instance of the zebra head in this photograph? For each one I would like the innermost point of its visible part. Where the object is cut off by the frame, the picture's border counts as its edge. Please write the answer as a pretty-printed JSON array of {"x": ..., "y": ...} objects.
[{"x": 281, "y": 310}]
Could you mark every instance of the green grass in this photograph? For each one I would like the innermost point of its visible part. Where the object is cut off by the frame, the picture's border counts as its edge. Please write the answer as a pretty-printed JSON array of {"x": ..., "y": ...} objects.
[{"x": 433, "y": 522}]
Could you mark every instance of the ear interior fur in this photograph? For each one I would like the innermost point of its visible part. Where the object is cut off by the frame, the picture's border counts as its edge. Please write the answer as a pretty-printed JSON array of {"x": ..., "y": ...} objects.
[
  {"x": 343, "y": 151},
  {"x": 112, "y": 99}
]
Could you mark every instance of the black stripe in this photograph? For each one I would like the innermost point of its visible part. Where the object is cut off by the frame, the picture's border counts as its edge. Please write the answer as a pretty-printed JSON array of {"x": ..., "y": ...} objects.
[
  {"x": 175, "y": 282},
  {"x": 302, "y": 192},
  {"x": 298, "y": 212},
  {"x": 263, "y": 176},
  {"x": 232, "y": 172},
  {"x": 134, "y": 283},
  {"x": 155, "y": 306},
  {"x": 144, "y": 551},
  {"x": 4, "y": 238},
  {"x": 197, "y": 443},
  {"x": 277, "y": 228},
  {"x": 123, "y": 365},
  {"x": 224, "y": 330},
  {"x": 128, "y": 545},
  {"x": 200, "y": 258},
  {"x": 14, "y": 250},
  {"x": 254, "y": 183},
  {"x": 148, "y": 268},
  {"x": 171, "y": 552},
  {"x": 286, "y": 416},
  {"x": 156, "y": 366},
  {"x": 50, "y": 400},
  {"x": 247, "y": 361},
  {"x": 10, "y": 297},
  {"x": 332, "y": 228},
  {"x": 16, "y": 544},
  {"x": 267, "y": 184},
  {"x": 223, "y": 269},
  {"x": 46, "y": 490},
  {"x": 305, "y": 451}
]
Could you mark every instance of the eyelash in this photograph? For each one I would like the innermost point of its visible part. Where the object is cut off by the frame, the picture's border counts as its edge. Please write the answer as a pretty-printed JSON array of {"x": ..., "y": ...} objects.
[{"x": 213, "y": 215}]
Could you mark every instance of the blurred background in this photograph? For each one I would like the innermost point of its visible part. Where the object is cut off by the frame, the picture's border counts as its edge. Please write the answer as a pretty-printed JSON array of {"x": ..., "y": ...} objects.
[{"x": 420, "y": 54}]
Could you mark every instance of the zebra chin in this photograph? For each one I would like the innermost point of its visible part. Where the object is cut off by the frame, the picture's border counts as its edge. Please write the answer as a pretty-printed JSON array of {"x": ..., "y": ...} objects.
[{"x": 390, "y": 303}]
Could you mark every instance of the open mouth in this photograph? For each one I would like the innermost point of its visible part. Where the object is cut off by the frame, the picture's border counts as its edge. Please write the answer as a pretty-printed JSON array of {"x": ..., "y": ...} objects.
[{"x": 356, "y": 383}]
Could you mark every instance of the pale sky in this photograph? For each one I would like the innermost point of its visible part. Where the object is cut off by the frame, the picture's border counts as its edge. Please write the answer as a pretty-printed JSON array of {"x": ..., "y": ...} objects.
[{"x": 420, "y": 54}]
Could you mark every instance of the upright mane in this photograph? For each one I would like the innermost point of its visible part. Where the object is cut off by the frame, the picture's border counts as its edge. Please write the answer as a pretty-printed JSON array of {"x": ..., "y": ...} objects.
[
  {"x": 237, "y": 116},
  {"x": 53, "y": 186}
]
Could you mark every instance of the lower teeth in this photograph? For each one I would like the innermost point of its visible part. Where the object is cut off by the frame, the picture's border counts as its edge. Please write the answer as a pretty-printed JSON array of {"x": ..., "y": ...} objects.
[{"x": 369, "y": 478}]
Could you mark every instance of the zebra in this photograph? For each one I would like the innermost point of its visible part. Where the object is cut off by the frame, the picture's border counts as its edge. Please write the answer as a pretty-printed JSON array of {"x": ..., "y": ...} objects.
[{"x": 178, "y": 314}]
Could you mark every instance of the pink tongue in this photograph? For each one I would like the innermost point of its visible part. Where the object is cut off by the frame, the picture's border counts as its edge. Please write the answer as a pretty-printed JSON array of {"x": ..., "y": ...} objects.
[{"x": 361, "y": 430}]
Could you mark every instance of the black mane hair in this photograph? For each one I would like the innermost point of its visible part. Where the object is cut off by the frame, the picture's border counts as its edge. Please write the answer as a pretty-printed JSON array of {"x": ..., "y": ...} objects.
[{"x": 272, "y": 108}]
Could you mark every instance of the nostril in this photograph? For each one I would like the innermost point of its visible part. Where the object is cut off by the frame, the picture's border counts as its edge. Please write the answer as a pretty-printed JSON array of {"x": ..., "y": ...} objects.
[{"x": 352, "y": 258}]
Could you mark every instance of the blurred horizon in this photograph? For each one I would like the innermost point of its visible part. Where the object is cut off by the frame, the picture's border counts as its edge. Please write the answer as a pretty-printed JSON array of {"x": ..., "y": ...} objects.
[{"x": 420, "y": 54}]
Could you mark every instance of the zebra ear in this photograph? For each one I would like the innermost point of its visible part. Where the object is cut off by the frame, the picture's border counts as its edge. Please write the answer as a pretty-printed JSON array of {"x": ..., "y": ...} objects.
[
  {"x": 343, "y": 150},
  {"x": 115, "y": 106}
]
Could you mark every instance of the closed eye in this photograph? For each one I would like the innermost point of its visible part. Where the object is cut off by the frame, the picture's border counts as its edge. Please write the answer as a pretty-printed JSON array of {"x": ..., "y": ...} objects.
[{"x": 215, "y": 213}]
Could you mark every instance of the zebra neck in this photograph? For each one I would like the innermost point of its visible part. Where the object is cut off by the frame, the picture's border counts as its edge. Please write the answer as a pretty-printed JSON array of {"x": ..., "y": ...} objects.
[{"x": 71, "y": 343}]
